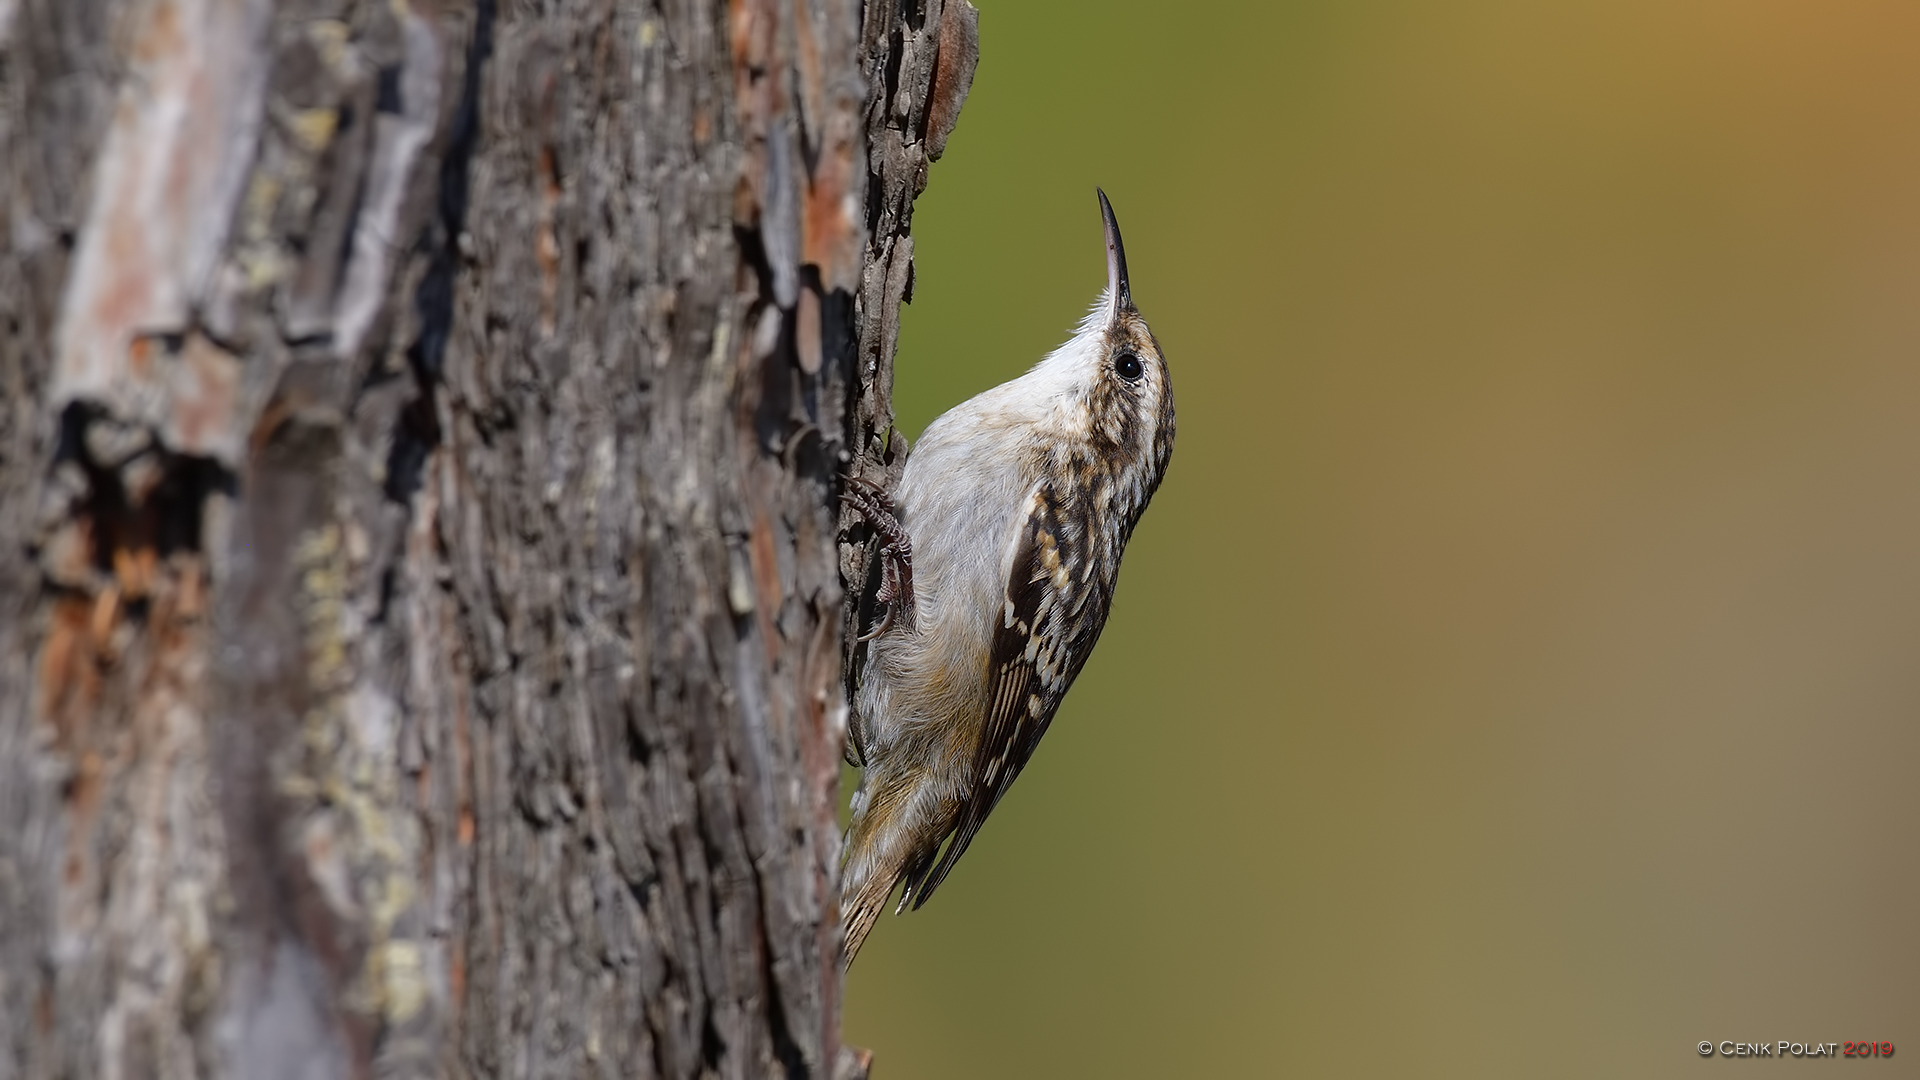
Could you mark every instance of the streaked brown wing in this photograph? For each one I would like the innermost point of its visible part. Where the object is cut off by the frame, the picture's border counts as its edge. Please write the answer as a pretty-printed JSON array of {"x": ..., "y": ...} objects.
[{"x": 1041, "y": 643}]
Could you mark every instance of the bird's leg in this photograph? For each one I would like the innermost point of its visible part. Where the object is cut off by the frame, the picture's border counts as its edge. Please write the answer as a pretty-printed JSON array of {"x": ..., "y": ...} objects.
[{"x": 896, "y": 552}]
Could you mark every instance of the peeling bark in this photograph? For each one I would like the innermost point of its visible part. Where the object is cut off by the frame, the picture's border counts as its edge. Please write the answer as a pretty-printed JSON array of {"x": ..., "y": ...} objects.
[{"x": 421, "y": 630}]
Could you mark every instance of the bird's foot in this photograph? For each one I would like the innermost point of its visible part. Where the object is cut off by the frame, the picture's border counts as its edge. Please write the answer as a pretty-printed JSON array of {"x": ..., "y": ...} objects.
[{"x": 895, "y": 594}]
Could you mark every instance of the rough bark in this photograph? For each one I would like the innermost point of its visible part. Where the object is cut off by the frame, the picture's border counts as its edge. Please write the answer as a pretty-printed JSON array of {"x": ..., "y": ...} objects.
[{"x": 420, "y": 610}]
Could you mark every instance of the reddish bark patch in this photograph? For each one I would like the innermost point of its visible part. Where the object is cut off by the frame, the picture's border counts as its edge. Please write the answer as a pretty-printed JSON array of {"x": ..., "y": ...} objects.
[
  {"x": 69, "y": 680},
  {"x": 952, "y": 73}
]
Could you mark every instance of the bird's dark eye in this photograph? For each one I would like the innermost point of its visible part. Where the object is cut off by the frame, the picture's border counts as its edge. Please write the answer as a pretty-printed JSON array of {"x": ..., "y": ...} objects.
[{"x": 1127, "y": 366}]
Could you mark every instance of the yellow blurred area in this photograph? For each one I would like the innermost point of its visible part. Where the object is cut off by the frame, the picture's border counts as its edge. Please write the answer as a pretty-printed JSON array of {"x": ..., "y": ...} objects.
[{"x": 1519, "y": 672}]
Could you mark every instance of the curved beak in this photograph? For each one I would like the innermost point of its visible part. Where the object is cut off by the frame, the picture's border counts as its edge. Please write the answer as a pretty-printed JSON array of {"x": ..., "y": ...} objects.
[{"x": 1122, "y": 296}]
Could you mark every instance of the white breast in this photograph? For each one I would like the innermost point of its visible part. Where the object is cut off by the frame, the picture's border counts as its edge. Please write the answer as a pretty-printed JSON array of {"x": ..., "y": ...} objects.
[{"x": 964, "y": 498}]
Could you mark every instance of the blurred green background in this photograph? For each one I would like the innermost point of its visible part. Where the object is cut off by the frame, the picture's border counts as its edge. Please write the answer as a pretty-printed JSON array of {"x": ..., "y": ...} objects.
[{"x": 1519, "y": 672}]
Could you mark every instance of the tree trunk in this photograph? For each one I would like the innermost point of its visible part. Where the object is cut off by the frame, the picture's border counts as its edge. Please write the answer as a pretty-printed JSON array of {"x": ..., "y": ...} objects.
[{"x": 421, "y": 615}]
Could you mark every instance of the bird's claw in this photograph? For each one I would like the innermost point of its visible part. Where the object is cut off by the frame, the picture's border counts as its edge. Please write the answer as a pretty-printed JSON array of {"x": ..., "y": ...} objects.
[{"x": 895, "y": 594}]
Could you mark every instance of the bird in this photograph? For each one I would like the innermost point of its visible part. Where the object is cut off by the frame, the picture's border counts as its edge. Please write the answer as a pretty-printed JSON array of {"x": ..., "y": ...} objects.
[{"x": 999, "y": 550}]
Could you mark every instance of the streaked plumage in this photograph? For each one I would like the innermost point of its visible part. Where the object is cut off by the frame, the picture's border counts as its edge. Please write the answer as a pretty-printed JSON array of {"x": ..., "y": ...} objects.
[{"x": 1018, "y": 503}]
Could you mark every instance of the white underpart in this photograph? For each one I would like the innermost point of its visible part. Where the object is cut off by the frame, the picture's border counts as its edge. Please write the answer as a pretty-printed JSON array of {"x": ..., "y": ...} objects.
[{"x": 967, "y": 489}]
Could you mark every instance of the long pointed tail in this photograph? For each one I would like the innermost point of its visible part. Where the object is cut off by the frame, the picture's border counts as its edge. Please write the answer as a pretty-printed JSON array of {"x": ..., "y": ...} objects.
[
  {"x": 858, "y": 914},
  {"x": 880, "y": 850}
]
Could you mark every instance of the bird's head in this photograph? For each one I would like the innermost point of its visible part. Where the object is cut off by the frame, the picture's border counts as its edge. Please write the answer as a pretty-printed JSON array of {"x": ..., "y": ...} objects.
[{"x": 1129, "y": 395}]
